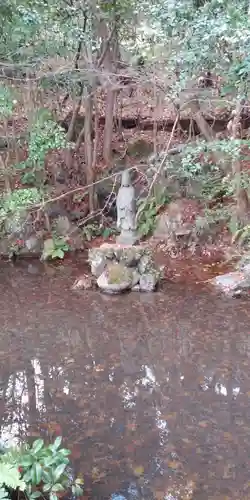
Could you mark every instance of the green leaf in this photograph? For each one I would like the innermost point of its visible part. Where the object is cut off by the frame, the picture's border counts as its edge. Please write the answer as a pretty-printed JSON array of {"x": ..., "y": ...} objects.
[
  {"x": 35, "y": 494},
  {"x": 48, "y": 461},
  {"x": 10, "y": 476},
  {"x": 79, "y": 480},
  {"x": 26, "y": 461},
  {"x": 38, "y": 473},
  {"x": 47, "y": 476},
  {"x": 28, "y": 178},
  {"x": 78, "y": 491},
  {"x": 65, "y": 452},
  {"x": 47, "y": 487},
  {"x": 59, "y": 471},
  {"x": 227, "y": 89},
  {"x": 33, "y": 475},
  {"x": 28, "y": 489},
  {"x": 53, "y": 496},
  {"x": 57, "y": 487},
  {"x": 37, "y": 445},
  {"x": 57, "y": 442},
  {"x": 106, "y": 233},
  {"x": 3, "y": 494},
  {"x": 58, "y": 253}
]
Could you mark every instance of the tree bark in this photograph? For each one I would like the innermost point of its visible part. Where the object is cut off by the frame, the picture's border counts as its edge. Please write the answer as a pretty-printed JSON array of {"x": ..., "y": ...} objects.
[
  {"x": 241, "y": 195},
  {"x": 110, "y": 52},
  {"x": 109, "y": 122},
  {"x": 88, "y": 101},
  {"x": 202, "y": 124},
  {"x": 71, "y": 129}
]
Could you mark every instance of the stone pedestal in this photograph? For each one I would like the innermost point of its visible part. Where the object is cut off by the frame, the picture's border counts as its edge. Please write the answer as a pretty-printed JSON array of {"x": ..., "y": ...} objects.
[
  {"x": 127, "y": 238},
  {"x": 118, "y": 268}
]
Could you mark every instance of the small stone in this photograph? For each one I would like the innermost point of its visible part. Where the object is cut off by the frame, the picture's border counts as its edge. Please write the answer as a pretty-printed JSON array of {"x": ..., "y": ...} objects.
[
  {"x": 98, "y": 266},
  {"x": 146, "y": 264},
  {"x": 84, "y": 282},
  {"x": 148, "y": 282}
]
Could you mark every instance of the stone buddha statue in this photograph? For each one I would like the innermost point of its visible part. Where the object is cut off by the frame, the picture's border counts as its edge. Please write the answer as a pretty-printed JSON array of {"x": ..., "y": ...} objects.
[{"x": 126, "y": 212}]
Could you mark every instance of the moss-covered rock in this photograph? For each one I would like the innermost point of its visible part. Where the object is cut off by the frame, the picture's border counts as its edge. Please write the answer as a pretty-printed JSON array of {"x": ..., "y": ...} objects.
[
  {"x": 115, "y": 279},
  {"x": 118, "y": 274}
]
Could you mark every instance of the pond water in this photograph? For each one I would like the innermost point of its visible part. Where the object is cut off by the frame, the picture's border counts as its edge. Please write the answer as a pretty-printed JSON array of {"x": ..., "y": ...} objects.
[{"x": 149, "y": 391}]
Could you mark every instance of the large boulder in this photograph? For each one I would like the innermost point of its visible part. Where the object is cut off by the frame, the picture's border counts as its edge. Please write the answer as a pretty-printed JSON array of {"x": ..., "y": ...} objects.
[
  {"x": 63, "y": 227},
  {"x": 19, "y": 224},
  {"x": 140, "y": 148},
  {"x": 234, "y": 284},
  {"x": 177, "y": 222},
  {"x": 244, "y": 265}
]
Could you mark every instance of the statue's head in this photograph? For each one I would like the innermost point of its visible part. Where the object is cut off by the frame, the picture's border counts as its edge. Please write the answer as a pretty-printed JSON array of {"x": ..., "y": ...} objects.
[{"x": 126, "y": 179}]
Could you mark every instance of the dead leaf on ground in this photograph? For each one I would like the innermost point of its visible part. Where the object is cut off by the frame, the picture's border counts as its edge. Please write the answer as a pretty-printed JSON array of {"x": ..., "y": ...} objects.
[
  {"x": 203, "y": 423},
  {"x": 174, "y": 464},
  {"x": 139, "y": 470}
]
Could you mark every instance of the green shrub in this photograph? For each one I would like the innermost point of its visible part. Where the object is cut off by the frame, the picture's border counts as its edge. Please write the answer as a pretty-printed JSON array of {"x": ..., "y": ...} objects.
[{"x": 37, "y": 470}]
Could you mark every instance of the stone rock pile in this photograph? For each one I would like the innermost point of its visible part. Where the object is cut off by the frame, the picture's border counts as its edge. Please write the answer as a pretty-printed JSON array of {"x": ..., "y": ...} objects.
[{"x": 118, "y": 268}]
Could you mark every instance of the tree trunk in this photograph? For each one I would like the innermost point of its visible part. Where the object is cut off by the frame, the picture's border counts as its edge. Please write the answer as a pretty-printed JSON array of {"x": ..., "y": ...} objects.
[
  {"x": 88, "y": 102},
  {"x": 207, "y": 132},
  {"x": 109, "y": 122},
  {"x": 71, "y": 129},
  {"x": 203, "y": 126},
  {"x": 111, "y": 52},
  {"x": 241, "y": 195}
]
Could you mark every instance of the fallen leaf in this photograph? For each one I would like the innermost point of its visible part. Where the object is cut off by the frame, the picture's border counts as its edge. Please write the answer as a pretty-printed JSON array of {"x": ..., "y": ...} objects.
[
  {"x": 131, "y": 427},
  {"x": 174, "y": 464},
  {"x": 159, "y": 495},
  {"x": 228, "y": 436},
  {"x": 99, "y": 368},
  {"x": 139, "y": 470},
  {"x": 97, "y": 474},
  {"x": 203, "y": 423}
]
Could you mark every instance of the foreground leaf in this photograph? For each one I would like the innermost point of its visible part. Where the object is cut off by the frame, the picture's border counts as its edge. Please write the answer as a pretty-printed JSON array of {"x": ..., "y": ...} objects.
[{"x": 10, "y": 476}]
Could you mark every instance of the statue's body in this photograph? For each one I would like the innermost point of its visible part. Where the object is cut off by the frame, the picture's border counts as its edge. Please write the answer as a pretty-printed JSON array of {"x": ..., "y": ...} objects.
[{"x": 126, "y": 211}]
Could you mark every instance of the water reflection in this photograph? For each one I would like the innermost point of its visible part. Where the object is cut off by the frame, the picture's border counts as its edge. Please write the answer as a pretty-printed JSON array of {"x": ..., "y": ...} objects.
[{"x": 145, "y": 400}]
